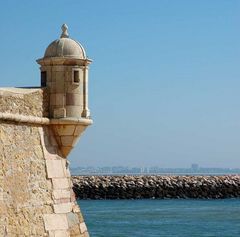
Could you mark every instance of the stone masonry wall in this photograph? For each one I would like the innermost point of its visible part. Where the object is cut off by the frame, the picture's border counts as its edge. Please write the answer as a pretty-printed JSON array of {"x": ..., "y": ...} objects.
[
  {"x": 36, "y": 196},
  {"x": 25, "y": 190}
]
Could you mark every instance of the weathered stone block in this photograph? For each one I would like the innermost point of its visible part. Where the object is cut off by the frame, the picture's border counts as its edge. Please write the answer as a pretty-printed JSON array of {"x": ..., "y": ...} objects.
[
  {"x": 61, "y": 183},
  {"x": 85, "y": 234},
  {"x": 55, "y": 169},
  {"x": 48, "y": 155},
  {"x": 65, "y": 130},
  {"x": 72, "y": 219},
  {"x": 55, "y": 221},
  {"x": 83, "y": 227},
  {"x": 76, "y": 209},
  {"x": 74, "y": 110},
  {"x": 59, "y": 99},
  {"x": 53, "y": 140},
  {"x": 59, "y": 113},
  {"x": 66, "y": 150},
  {"x": 67, "y": 140},
  {"x": 62, "y": 200},
  {"x": 59, "y": 194},
  {"x": 51, "y": 233},
  {"x": 74, "y": 99},
  {"x": 62, "y": 233},
  {"x": 63, "y": 207},
  {"x": 79, "y": 129}
]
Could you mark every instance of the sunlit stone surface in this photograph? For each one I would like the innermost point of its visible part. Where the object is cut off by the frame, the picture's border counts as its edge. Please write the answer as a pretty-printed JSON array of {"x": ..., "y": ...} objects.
[{"x": 38, "y": 129}]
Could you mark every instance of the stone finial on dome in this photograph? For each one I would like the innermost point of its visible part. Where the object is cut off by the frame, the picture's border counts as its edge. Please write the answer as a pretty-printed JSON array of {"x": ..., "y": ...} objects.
[
  {"x": 64, "y": 31},
  {"x": 65, "y": 47}
]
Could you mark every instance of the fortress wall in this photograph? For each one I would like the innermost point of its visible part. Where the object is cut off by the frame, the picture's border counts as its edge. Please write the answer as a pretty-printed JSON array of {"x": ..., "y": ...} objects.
[
  {"x": 25, "y": 188},
  {"x": 36, "y": 196}
]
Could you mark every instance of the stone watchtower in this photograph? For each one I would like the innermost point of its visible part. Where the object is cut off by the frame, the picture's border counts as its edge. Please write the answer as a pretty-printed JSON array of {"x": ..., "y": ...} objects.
[
  {"x": 38, "y": 129},
  {"x": 64, "y": 71}
]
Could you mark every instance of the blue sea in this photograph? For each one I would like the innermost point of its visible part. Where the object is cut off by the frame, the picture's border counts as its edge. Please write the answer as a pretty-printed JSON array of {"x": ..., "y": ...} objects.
[{"x": 155, "y": 218}]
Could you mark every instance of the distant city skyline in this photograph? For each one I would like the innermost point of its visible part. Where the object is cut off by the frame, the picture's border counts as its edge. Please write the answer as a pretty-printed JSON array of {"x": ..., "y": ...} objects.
[
  {"x": 164, "y": 83},
  {"x": 193, "y": 169},
  {"x": 192, "y": 166}
]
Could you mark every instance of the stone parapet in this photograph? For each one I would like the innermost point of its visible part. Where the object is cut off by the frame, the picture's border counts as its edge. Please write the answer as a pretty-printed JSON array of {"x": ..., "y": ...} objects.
[{"x": 25, "y": 101}]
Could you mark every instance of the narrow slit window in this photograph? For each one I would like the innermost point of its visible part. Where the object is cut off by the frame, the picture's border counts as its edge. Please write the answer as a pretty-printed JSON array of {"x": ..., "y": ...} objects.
[
  {"x": 43, "y": 79},
  {"x": 76, "y": 77}
]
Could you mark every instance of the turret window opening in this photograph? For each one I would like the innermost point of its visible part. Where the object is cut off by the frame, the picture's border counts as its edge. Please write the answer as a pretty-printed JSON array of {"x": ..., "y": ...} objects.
[
  {"x": 43, "y": 79},
  {"x": 76, "y": 78}
]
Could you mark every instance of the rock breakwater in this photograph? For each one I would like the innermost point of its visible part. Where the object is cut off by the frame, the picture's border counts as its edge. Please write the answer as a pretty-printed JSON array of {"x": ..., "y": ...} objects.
[{"x": 140, "y": 187}]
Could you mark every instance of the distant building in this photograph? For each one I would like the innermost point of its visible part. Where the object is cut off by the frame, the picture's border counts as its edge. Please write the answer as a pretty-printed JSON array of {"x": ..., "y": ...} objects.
[{"x": 194, "y": 166}]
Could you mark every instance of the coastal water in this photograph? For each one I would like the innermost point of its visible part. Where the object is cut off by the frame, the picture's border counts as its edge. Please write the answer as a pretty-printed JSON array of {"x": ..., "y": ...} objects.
[{"x": 155, "y": 218}]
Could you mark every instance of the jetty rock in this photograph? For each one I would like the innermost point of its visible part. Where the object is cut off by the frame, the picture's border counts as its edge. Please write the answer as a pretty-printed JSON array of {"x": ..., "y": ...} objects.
[{"x": 161, "y": 187}]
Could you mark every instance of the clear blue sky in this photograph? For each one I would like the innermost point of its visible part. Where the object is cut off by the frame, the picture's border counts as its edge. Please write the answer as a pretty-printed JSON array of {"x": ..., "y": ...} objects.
[{"x": 164, "y": 84}]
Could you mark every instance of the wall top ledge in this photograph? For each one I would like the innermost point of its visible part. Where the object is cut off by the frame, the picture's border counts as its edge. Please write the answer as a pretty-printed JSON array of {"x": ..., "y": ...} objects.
[
  {"x": 23, "y": 118},
  {"x": 71, "y": 120},
  {"x": 43, "y": 120},
  {"x": 19, "y": 90}
]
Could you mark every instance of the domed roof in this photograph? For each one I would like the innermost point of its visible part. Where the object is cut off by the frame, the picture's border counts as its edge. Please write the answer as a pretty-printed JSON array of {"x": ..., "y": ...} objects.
[{"x": 65, "y": 47}]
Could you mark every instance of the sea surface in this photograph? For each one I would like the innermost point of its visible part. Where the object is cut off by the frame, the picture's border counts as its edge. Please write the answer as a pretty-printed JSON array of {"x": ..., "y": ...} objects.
[{"x": 148, "y": 218}]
